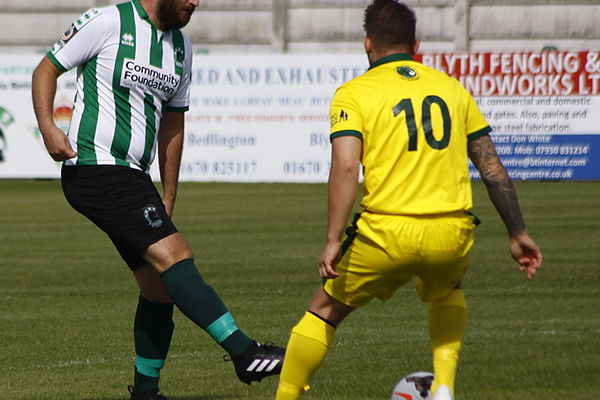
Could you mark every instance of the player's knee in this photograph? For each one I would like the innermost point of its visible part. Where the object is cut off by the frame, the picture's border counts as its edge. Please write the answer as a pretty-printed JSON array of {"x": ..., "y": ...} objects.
[
  {"x": 163, "y": 257},
  {"x": 185, "y": 253},
  {"x": 330, "y": 310},
  {"x": 181, "y": 249},
  {"x": 161, "y": 265},
  {"x": 178, "y": 254}
]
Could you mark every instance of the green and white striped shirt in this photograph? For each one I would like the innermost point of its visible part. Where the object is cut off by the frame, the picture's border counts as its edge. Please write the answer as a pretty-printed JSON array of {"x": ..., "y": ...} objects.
[{"x": 128, "y": 72}]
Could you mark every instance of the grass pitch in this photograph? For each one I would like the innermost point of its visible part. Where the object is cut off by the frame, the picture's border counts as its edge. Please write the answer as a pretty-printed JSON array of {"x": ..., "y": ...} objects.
[{"x": 67, "y": 300}]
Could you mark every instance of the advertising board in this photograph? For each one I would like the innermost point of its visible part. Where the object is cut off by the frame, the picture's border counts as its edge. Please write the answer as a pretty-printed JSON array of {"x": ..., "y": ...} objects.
[
  {"x": 265, "y": 118},
  {"x": 544, "y": 108}
]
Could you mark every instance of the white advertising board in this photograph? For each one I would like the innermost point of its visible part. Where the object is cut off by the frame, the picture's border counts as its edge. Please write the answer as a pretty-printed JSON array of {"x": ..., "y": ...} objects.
[
  {"x": 22, "y": 151},
  {"x": 264, "y": 118}
]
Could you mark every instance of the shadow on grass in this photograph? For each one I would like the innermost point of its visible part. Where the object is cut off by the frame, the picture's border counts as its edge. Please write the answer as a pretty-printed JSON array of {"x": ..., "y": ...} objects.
[{"x": 190, "y": 397}]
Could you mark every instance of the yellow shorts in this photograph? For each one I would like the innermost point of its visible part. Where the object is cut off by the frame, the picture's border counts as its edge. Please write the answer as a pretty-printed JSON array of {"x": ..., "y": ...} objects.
[{"x": 386, "y": 251}]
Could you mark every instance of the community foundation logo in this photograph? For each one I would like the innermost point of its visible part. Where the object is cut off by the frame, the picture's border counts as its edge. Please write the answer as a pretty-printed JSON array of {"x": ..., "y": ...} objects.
[{"x": 148, "y": 78}]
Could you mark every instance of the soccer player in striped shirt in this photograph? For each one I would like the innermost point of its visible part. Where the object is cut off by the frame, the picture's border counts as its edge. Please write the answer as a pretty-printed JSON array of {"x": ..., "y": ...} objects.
[
  {"x": 133, "y": 83},
  {"x": 412, "y": 129}
]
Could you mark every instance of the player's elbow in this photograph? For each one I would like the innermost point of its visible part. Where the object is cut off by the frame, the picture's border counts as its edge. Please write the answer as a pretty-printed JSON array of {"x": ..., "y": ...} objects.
[{"x": 346, "y": 168}]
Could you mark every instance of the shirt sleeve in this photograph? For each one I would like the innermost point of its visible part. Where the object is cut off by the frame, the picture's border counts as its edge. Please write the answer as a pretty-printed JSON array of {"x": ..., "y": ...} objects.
[
  {"x": 81, "y": 42},
  {"x": 344, "y": 115},
  {"x": 180, "y": 102},
  {"x": 476, "y": 124}
]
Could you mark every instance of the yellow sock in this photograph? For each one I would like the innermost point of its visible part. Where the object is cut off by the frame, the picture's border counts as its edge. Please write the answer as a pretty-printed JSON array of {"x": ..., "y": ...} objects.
[
  {"x": 447, "y": 323},
  {"x": 306, "y": 350}
]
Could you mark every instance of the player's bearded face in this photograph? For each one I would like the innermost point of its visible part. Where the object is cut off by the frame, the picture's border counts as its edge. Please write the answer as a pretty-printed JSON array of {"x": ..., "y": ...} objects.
[{"x": 175, "y": 14}]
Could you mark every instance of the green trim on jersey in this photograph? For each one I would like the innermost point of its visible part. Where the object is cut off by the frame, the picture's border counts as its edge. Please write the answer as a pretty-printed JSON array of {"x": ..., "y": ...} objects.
[
  {"x": 346, "y": 133},
  {"x": 150, "y": 113},
  {"x": 140, "y": 9},
  {"x": 177, "y": 109},
  {"x": 156, "y": 48},
  {"x": 122, "y": 137},
  {"x": 142, "y": 13},
  {"x": 54, "y": 61},
  {"x": 479, "y": 133},
  {"x": 391, "y": 58},
  {"x": 86, "y": 153}
]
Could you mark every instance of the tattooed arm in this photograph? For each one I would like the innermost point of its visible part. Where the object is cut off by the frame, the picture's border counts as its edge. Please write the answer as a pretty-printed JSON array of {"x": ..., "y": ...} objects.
[
  {"x": 499, "y": 186},
  {"x": 504, "y": 197}
]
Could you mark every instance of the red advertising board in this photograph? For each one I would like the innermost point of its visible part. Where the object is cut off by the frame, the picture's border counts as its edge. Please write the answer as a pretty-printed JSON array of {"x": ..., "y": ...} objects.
[{"x": 544, "y": 108}]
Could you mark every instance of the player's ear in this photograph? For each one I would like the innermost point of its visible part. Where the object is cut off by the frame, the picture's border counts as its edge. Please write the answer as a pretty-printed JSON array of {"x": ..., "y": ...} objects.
[
  {"x": 368, "y": 44},
  {"x": 416, "y": 46}
]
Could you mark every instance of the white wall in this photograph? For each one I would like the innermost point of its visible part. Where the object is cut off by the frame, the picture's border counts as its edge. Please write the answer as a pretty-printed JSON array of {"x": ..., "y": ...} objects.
[{"x": 326, "y": 26}]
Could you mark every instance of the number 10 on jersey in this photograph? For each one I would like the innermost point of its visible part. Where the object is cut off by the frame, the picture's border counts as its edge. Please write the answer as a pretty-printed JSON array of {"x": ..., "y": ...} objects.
[{"x": 406, "y": 106}]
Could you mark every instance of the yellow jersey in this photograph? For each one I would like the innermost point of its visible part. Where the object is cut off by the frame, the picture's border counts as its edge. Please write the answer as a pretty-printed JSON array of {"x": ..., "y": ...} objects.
[{"x": 414, "y": 123}]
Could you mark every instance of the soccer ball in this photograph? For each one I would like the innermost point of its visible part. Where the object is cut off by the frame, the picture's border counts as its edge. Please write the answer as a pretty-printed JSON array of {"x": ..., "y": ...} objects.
[{"x": 413, "y": 387}]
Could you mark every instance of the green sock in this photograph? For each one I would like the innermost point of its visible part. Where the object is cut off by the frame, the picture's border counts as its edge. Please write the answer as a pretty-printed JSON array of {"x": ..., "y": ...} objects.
[
  {"x": 152, "y": 332},
  {"x": 201, "y": 304}
]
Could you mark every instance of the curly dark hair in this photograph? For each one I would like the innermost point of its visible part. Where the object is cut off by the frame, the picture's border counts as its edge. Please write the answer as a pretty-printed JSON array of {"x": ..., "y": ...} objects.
[{"x": 390, "y": 23}]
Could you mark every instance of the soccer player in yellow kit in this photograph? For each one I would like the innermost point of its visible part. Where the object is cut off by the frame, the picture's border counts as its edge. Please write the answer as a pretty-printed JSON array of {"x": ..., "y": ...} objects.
[{"x": 412, "y": 128}]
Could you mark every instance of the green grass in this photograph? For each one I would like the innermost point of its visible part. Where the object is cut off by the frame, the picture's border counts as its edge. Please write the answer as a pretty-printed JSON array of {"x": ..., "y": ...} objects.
[{"x": 67, "y": 301}]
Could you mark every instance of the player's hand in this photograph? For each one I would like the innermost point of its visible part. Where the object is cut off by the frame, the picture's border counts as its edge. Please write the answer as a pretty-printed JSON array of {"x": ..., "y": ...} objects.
[
  {"x": 57, "y": 144},
  {"x": 526, "y": 253},
  {"x": 328, "y": 260}
]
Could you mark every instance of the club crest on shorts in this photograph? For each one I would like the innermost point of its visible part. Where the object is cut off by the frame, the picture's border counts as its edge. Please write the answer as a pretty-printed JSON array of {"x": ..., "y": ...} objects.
[{"x": 152, "y": 217}]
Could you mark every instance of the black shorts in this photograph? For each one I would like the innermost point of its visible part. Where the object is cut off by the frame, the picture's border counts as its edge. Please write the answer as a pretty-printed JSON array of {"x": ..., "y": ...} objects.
[{"x": 121, "y": 201}]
